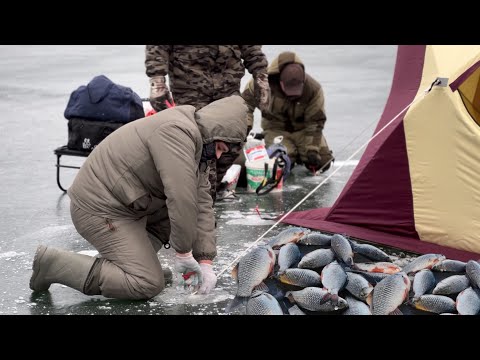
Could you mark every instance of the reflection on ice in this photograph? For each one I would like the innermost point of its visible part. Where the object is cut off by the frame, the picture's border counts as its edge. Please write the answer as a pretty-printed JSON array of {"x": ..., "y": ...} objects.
[
  {"x": 172, "y": 296},
  {"x": 250, "y": 220}
]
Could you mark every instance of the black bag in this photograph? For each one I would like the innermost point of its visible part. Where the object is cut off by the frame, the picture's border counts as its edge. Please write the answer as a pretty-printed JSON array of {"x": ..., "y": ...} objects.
[
  {"x": 102, "y": 99},
  {"x": 84, "y": 134}
]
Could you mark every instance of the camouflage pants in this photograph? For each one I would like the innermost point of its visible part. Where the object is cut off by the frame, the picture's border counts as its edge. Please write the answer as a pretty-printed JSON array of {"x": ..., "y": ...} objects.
[{"x": 298, "y": 144}]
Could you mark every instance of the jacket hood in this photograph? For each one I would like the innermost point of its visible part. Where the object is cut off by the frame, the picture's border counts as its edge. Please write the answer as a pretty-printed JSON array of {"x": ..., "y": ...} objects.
[
  {"x": 224, "y": 120},
  {"x": 284, "y": 58}
]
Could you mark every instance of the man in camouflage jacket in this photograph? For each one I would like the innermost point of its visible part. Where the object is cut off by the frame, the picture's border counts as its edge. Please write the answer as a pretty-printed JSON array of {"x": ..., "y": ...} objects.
[
  {"x": 200, "y": 74},
  {"x": 296, "y": 111}
]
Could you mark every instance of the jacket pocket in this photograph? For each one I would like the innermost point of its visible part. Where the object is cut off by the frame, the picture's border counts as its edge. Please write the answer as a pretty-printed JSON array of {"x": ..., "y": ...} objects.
[{"x": 128, "y": 191}]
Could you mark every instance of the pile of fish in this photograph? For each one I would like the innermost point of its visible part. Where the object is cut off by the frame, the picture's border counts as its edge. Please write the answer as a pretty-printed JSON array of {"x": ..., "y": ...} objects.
[{"x": 315, "y": 273}]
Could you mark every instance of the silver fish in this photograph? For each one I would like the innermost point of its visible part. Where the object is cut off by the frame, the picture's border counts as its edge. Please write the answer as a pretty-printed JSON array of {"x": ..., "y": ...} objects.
[
  {"x": 426, "y": 261},
  {"x": 316, "y": 238},
  {"x": 316, "y": 259},
  {"x": 452, "y": 285},
  {"x": 378, "y": 267},
  {"x": 261, "y": 287},
  {"x": 358, "y": 286},
  {"x": 372, "y": 278},
  {"x": 288, "y": 256},
  {"x": 434, "y": 303},
  {"x": 473, "y": 273},
  {"x": 313, "y": 299},
  {"x": 342, "y": 249},
  {"x": 468, "y": 302},
  {"x": 397, "y": 311},
  {"x": 333, "y": 278},
  {"x": 371, "y": 252},
  {"x": 356, "y": 307},
  {"x": 300, "y": 277},
  {"x": 250, "y": 271},
  {"x": 290, "y": 235},
  {"x": 390, "y": 293},
  {"x": 423, "y": 282},
  {"x": 295, "y": 310},
  {"x": 262, "y": 303},
  {"x": 450, "y": 266}
]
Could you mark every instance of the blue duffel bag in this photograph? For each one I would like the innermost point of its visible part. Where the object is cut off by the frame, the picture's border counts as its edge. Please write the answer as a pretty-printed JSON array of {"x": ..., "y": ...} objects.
[{"x": 103, "y": 100}]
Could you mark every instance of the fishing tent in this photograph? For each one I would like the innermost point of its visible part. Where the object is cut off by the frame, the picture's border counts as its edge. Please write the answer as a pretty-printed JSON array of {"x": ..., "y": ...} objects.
[{"x": 417, "y": 185}]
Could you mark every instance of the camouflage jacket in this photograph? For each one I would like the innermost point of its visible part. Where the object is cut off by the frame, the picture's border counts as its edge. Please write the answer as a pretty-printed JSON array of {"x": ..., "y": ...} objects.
[
  {"x": 306, "y": 114},
  {"x": 212, "y": 71}
]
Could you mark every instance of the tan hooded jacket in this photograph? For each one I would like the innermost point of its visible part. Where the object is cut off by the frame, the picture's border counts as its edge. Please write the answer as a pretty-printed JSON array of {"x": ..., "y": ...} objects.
[
  {"x": 153, "y": 162},
  {"x": 305, "y": 114}
]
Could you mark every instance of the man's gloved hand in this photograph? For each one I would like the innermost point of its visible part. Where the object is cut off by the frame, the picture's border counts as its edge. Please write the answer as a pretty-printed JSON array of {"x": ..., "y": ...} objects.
[
  {"x": 160, "y": 96},
  {"x": 261, "y": 91},
  {"x": 187, "y": 270},
  {"x": 314, "y": 161},
  {"x": 209, "y": 279}
]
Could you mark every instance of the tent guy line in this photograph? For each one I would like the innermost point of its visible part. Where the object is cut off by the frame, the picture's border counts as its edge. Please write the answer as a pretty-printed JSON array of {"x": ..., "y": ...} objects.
[{"x": 427, "y": 91}]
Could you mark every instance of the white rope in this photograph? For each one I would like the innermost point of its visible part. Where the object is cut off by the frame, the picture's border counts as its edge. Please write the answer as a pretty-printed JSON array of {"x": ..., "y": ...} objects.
[{"x": 324, "y": 181}]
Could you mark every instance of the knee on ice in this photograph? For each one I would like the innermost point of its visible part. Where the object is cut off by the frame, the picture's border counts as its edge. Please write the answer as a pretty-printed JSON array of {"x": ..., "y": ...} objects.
[{"x": 148, "y": 288}]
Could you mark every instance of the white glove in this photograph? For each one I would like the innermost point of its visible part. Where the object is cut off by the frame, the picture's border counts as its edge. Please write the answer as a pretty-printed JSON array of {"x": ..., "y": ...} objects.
[
  {"x": 209, "y": 279},
  {"x": 160, "y": 96},
  {"x": 188, "y": 270},
  {"x": 158, "y": 86}
]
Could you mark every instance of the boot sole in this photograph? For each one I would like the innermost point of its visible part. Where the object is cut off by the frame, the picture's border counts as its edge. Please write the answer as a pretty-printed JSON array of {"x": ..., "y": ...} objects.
[{"x": 36, "y": 267}]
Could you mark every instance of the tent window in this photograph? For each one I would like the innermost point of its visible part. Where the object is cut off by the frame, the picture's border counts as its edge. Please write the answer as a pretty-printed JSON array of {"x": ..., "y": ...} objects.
[{"x": 470, "y": 93}]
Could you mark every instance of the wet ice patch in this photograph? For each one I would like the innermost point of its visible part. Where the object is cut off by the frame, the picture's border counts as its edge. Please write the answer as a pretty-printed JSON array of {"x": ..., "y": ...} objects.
[
  {"x": 317, "y": 179},
  {"x": 292, "y": 188},
  {"x": 171, "y": 295},
  {"x": 249, "y": 218},
  {"x": 232, "y": 201},
  {"x": 236, "y": 214},
  {"x": 49, "y": 234}
]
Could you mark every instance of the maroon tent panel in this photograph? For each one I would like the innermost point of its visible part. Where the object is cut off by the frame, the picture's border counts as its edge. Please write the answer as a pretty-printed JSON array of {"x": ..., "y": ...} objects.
[{"x": 376, "y": 204}]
